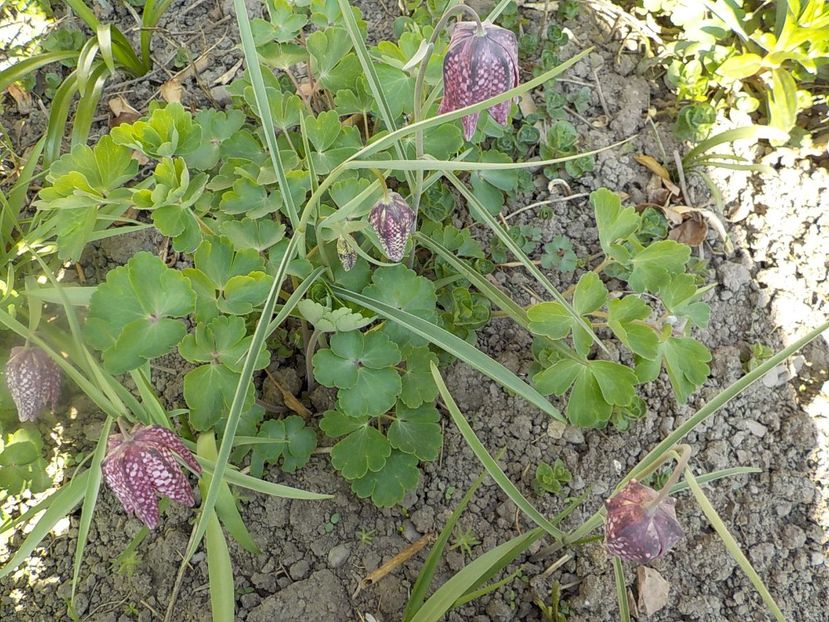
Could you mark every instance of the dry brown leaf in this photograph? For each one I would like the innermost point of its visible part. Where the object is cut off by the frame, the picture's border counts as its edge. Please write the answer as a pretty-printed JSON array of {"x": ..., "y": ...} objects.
[
  {"x": 652, "y": 589},
  {"x": 652, "y": 165},
  {"x": 172, "y": 91},
  {"x": 199, "y": 65},
  {"x": 21, "y": 97},
  {"x": 656, "y": 168},
  {"x": 394, "y": 562},
  {"x": 289, "y": 398},
  {"x": 228, "y": 75},
  {"x": 122, "y": 111},
  {"x": 600, "y": 122},
  {"x": 691, "y": 232},
  {"x": 306, "y": 90}
]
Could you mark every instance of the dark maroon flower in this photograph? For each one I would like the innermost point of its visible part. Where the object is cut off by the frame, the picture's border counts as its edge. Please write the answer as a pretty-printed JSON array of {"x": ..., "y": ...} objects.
[
  {"x": 477, "y": 67},
  {"x": 346, "y": 254},
  {"x": 33, "y": 380},
  {"x": 393, "y": 221},
  {"x": 144, "y": 463},
  {"x": 639, "y": 527}
]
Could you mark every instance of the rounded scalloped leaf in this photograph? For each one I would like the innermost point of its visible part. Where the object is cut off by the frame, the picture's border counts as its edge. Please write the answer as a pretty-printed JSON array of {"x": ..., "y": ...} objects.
[
  {"x": 389, "y": 485},
  {"x": 131, "y": 314}
]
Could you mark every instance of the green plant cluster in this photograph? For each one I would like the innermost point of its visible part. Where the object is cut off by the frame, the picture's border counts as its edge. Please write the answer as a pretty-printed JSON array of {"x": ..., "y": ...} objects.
[
  {"x": 748, "y": 55},
  {"x": 655, "y": 335}
]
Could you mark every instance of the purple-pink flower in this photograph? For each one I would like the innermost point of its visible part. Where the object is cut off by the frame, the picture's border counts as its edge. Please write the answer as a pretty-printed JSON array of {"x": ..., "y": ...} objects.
[
  {"x": 639, "y": 526},
  {"x": 393, "y": 221},
  {"x": 477, "y": 67},
  {"x": 33, "y": 380},
  {"x": 143, "y": 464}
]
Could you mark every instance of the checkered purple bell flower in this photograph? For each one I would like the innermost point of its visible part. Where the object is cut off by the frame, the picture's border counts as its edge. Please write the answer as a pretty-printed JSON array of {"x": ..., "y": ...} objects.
[
  {"x": 393, "y": 221},
  {"x": 637, "y": 529},
  {"x": 138, "y": 467},
  {"x": 33, "y": 380},
  {"x": 477, "y": 67}
]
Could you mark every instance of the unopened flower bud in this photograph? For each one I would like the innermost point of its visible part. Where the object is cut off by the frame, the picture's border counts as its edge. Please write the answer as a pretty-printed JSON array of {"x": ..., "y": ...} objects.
[{"x": 393, "y": 221}]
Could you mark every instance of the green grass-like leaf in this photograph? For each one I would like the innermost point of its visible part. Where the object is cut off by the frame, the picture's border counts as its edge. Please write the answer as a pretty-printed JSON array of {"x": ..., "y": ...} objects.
[
  {"x": 489, "y": 463},
  {"x": 472, "y": 574},
  {"x": 427, "y": 572},
  {"x": 455, "y": 346},
  {"x": 621, "y": 590},
  {"x": 732, "y": 546}
]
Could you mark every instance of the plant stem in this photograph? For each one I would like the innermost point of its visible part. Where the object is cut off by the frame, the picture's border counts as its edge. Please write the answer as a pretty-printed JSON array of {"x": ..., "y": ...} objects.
[
  {"x": 309, "y": 353},
  {"x": 683, "y": 454},
  {"x": 418, "y": 101}
]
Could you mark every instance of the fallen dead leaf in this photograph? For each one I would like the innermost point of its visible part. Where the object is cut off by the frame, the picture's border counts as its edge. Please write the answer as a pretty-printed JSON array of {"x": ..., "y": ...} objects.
[
  {"x": 172, "y": 91},
  {"x": 21, "y": 97},
  {"x": 228, "y": 75},
  {"x": 122, "y": 111},
  {"x": 691, "y": 232},
  {"x": 407, "y": 552},
  {"x": 198, "y": 65},
  {"x": 289, "y": 398},
  {"x": 650, "y": 163},
  {"x": 652, "y": 589}
]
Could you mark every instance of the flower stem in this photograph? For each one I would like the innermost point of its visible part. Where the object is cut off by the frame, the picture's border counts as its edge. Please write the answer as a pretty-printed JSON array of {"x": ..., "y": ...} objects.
[
  {"x": 682, "y": 454},
  {"x": 418, "y": 101}
]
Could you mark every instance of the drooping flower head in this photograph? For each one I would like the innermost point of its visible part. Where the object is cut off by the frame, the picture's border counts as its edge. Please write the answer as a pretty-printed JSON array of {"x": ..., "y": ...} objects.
[
  {"x": 640, "y": 528},
  {"x": 393, "y": 221},
  {"x": 138, "y": 467},
  {"x": 33, "y": 380},
  {"x": 477, "y": 67}
]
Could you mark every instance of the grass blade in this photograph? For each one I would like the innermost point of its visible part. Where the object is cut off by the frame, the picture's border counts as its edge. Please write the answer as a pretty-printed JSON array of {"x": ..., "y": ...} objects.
[
  {"x": 293, "y": 299},
  {"x": 90, "y": 499},
  {"x": 259, "y": 485},
  {"x": 494, "y": 560},
  {"x": 721, "y": 400},
  {"x": 462, "y": 165},
  {"x": 237, "y": 405},
  {"x": 63, "y": 502},
  {"x": 482, "y": 214},
  {"x": 149, "y": 19},
  {"x": 87, "y": 105},
  {"x": 261, "y": 97},
  {"x": 732, "y": 546},
  {"x": 621, "y": 590},
  {"x": 489, "y": 463},
  {"x": 455, "y": 346},
  {"x": 427, "y": 572},
  {"x": 495, "y": 295},
  {"x": 20, "y": 70},
  {"x": 751, "y": 132},
  {"x": 58, "y": 115},
  {"x": 219, "y": 573},
  {"x": 371, "y": 77}
]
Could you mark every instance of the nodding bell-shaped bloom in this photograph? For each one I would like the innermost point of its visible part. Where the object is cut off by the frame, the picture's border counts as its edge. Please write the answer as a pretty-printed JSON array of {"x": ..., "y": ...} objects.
[
  {"x": 636, "y": 528},
  {"x": 33, "y": 380},
  {"x": 346, "y": 254},
  {"x": 477, "y": 67},
  {"x": 393, "y": 221},
  {"x": 143, "y": 464}
]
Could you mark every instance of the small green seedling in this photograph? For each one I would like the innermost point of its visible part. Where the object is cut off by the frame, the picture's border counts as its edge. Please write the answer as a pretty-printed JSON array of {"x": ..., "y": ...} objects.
[
  {"x": 332, "y": 523},
  {"x": 365, "y": 536},
  {"x": 550, "y": 478},
  {"x": 465, "y": 540}
]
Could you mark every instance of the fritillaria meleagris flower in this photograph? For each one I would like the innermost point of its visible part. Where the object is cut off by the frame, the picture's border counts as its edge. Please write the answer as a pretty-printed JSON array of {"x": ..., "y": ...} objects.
[
  {"x": 393, "y": 221},
  {"x": 346, "y": 254},
  {"x": 637, "y": 529},
  {"x": 477, "y": 67},
  {"x": 138, "y": 467},
  {"x": 33, "y": 381}
]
